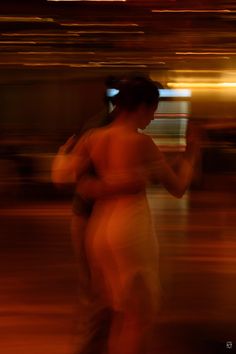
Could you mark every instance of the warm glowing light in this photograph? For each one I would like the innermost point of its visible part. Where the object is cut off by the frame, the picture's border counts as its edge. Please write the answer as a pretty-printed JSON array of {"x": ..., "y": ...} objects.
[
  {"x": 89, "y": 0},
  {"x": 40, "y": 34},
  {"x": 77, "y": 65},
  {"x": 25, "y": 19},
  {"x": 49, "y": 53},
  {"x": 202, "y": 84},
  {"x": 99, "y": 24},
  {"x": 205, "y": 53},
  {"x": 107, "y": 31},
  {"x": 46, "y": 64},
  {"x": 17, "y": 42},
  {"x": 117, "y": 64},
  {"x": 193, "y": 11}
]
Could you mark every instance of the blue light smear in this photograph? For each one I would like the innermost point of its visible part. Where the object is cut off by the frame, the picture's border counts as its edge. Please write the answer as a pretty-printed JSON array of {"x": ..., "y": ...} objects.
[{"x": 111, "y": 92}]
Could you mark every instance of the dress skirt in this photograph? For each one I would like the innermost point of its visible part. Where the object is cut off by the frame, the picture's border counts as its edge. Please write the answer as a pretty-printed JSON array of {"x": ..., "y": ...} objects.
[{"x": 122, "y": 250}]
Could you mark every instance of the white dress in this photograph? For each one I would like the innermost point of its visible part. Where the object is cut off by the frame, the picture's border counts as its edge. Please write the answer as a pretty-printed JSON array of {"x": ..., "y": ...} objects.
[
  {"x": 120, "y": 243},
  {"x": 123, "y": 254}
]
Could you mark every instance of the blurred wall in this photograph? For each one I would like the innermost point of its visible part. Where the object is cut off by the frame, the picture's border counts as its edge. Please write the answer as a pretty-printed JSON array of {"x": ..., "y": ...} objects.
[
  {"x": 48, "y": 103},
  {"x": 214, "y": 103}
]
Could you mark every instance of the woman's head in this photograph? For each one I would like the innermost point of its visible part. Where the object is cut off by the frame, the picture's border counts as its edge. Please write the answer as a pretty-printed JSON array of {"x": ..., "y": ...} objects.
[
  {"x": 137, "y": 95},
  {"x": 136, "y": 91}
]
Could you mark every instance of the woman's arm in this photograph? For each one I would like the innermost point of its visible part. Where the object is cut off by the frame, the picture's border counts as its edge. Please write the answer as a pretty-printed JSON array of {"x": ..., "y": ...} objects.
[
  {"x": 176, "y": 183},
  {"x": 92, "y": 187},
  {"x": 152, "y": 166},
  {"x": 71, "y": 166}
]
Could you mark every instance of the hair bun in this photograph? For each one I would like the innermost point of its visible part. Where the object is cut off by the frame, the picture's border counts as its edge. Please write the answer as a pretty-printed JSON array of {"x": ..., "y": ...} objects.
[{"x": 136, "y": 90}]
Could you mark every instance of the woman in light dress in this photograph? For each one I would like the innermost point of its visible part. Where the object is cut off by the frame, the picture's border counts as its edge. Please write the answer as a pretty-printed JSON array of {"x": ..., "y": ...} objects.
[{"x": 121, "y": 247}]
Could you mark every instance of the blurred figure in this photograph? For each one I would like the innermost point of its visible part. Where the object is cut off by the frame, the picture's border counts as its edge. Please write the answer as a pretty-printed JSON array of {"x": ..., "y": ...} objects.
[
  {"x": 121, "y": 247},
  {"x": 93, "y": 319}
]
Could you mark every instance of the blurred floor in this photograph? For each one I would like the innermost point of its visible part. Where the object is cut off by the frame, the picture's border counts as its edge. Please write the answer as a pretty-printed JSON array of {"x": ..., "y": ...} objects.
[{"x": 197, "y": 265}]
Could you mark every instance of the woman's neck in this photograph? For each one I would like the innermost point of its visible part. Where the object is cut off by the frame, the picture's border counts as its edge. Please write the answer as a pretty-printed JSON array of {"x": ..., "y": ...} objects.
[{"x": 126, "y": 119}]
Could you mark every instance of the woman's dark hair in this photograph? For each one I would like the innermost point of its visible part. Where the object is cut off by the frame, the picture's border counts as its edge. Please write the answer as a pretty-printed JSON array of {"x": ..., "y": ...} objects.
[{"x": 134, "y": 91}]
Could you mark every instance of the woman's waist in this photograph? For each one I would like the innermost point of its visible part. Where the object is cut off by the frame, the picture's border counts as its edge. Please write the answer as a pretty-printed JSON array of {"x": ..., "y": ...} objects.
[
  {"x": 124, "y": 195},
  {"x": 84, "y": 206},
  {"x": 123, "y": 202}
]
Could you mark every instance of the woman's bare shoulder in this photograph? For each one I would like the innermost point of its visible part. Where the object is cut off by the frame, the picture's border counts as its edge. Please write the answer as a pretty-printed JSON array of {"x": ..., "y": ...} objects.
[{"x": 87, "y": 138}]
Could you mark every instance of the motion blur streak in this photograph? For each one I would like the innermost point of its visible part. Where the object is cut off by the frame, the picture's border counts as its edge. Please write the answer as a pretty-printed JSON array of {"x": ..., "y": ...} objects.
[
  {"x": 55, "y": 58},
  {"x": 97, "y": 24},
  {"x": 206, "y": 53},
  {"x": 88, "y": 0},
  {"x": 202, "y": 84},
  {"x": 197, "y": 251},
  {"x": 40, "y": 34},
  {"x": 112, "y": 32},
  {"x": 25, "y": 19},
  {"x": 17, "y": 42},
  {"x": 194, "y": 11},
  {"x": 52, "y": 53}
]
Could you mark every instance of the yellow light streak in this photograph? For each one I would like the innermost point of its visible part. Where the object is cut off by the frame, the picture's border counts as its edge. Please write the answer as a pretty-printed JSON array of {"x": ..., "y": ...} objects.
[
  {"x": 117, "y": 64},
  {"x": 205, "y": 53},
  {"x": 206, "y": 71},
  {"x": 25, "y": 19},
  {"x": 194, "y": 11},
  {"x": 52, "y": 53},
  {"x": 99, "y": 24},
  {"x": 45, "y": 64},
  {"x": 76, "y": 65},
  {"x": 17, "y": 42},
  {"x": 202, "y": 84},
  {"x": 110, "y": 32},
  {"x": 88, "y": 0},
  {"x": 40, "y": 34}
]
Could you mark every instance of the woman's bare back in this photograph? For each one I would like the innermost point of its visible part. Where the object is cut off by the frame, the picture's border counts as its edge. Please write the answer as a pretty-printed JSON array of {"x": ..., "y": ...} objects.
[{"x": 117, "y": 153}]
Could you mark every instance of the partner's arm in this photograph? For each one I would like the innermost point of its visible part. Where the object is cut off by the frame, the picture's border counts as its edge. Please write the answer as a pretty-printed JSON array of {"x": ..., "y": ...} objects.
[{"x": 70, "y": 161}]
